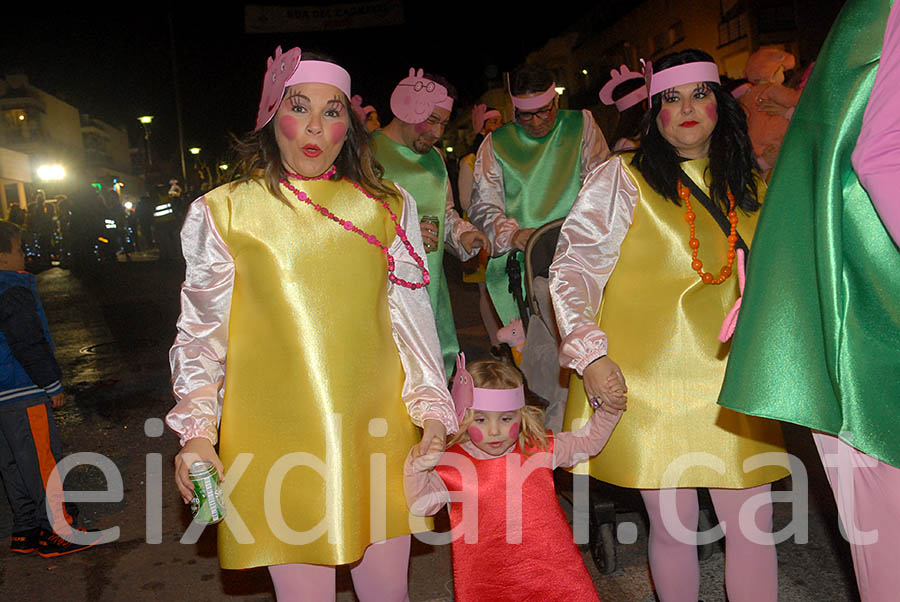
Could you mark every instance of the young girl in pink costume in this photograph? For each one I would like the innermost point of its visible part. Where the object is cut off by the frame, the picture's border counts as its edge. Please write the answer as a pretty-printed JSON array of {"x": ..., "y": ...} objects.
[{"x": 509, "y": 531}]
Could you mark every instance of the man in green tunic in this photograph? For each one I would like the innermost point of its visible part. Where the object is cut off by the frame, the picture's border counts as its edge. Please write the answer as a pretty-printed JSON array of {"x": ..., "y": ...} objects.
[
  {"x": 405, "y": 148},
  {"x": 528, "y": 172}
]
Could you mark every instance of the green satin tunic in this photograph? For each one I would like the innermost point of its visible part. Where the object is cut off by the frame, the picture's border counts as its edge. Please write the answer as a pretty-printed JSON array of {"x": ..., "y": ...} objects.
[
  {"x": 425, "y": 178},
  {"x": 818, "y": 339},
  {"x": 541, "y": 178}
]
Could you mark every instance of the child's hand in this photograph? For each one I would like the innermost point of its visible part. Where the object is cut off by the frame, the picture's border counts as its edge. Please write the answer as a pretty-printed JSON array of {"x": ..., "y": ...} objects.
[
  {"x": 427, "y": 460},
  {"x": 615, "y": 389}
]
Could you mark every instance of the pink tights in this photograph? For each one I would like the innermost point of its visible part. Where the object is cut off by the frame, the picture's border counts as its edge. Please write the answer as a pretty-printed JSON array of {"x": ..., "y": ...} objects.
[
  {"x": 866, "y": 491},
  {"x": 751, "y": 569},
  {"x": 381, "y": 576}
]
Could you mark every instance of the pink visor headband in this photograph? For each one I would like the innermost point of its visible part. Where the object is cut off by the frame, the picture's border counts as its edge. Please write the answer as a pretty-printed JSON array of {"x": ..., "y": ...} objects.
[
  {"x": 533, "y": 102},
  {"x": 466, "y": 395},
  {"x": 678, "y": 75},
  {"x": 629, "y": 100},
  {"x": 285, "y": 69},
  {"x": 416, "y": 96}
]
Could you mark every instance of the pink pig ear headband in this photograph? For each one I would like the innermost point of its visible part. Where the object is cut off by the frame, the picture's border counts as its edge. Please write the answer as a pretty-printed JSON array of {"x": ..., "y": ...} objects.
[
  {"x": 533, "y": 102},
  {"x": 361, "y": 111},
  {"x": 630, "y": 99},
  {"x": 679, "y": 74},
  {"x": 415, "y": 97},
  {"x": 480, "y": 114},
  {"x": 285, "y": 69},
  {"x": 466, "y": 395}
]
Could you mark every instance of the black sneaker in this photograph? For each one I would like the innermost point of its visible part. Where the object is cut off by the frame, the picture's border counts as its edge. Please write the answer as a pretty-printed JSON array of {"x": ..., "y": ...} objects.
[
  {"x": 51, "y": 545},
  {"x": 25, "y": 542}
]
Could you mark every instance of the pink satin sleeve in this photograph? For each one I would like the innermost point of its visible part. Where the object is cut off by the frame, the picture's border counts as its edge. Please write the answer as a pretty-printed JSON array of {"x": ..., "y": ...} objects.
[
  {"x": 876, "y": 158},
  {"x": 594, "y": 148},
  {"x": 570, "y": 448},
  {"x": 425, "y": 491},
  {"x": 586, "y": 255},
  {"x": 197, "y": 358},
  {"x": 415, "y": 334},
  {"x": 454, "y": 227}
]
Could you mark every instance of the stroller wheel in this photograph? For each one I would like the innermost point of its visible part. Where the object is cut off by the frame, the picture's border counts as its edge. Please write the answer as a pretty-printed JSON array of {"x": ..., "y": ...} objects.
[
  {"x": 603, "y": 549},
  {"x": 602, "y": 527}
]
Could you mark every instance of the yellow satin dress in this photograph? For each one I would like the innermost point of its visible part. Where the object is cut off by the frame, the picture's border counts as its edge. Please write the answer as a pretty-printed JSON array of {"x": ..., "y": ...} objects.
[
  {"x": 313, "y": 432},
  {"x": 662, "y": 324}
]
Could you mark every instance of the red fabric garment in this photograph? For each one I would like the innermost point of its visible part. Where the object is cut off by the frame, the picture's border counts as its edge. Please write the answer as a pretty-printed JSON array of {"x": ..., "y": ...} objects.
[{"x": 519, "y": 552}]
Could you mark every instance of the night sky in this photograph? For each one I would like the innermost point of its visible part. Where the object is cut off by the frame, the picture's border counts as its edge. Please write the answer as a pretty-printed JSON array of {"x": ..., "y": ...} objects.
[{"x": 116, "y": 64}]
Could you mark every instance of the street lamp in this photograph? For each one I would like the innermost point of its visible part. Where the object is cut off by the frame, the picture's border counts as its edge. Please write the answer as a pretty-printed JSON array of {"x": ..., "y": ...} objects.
[
  {"x": 223, "y": 166},
  {"x": 146, "y": 120},
  {"x": 50, "y": 173},
  {"x": 194, "y": 150}
]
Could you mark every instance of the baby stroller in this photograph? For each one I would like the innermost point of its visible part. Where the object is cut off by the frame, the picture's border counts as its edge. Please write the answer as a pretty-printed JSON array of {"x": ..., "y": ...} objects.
[{"x": 540, "y": 367}]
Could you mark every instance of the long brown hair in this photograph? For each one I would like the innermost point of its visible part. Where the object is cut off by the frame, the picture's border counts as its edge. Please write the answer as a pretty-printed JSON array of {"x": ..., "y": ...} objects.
[{"x": 259, "y": 159}]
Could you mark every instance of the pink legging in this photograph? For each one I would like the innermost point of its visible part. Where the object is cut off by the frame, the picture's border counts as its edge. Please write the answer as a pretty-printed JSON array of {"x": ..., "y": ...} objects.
[
  {"x": 381, "y": 576},
  {"x": 751, "y": 569},
  {"x": 866, "y": 491}
]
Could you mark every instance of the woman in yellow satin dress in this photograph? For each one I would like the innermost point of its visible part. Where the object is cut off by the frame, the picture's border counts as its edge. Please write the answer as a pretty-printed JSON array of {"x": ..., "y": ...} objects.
[
  {"x": 306, "y": 346},
  {"x": 645, "y": 273}
]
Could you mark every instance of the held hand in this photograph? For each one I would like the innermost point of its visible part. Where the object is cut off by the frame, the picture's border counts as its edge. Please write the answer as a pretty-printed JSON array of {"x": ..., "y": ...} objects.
[
  {"x": 429, "y": 236},
  {"x": 58, "y": 400},
  {"x": 198, "y": 449},
  {"x": 428, "y": 452},
  {"x": 474, "y": 239},
  {"x": 605, "y": 383},
  {"x": 520, "y": 238},
  {"x": 423, "y": 462}
]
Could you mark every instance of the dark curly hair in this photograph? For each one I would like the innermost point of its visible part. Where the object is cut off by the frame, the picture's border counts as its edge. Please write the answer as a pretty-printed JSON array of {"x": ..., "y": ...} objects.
[
  {"x": 731, "y": 161},
  {"x": 260, "y": 159}
]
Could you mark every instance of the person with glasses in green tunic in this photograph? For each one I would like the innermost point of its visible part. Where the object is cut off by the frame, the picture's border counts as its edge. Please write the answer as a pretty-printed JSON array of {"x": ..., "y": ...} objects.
[
  {"x": 421, "y": 104},
  {"x": 528, "y": 172}
]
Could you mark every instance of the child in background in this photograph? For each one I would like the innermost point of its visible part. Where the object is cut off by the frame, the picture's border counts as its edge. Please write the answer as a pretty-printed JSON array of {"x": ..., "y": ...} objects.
[
  {"x": 29, "y": 385},
  {"x": 502, "y": 460}
]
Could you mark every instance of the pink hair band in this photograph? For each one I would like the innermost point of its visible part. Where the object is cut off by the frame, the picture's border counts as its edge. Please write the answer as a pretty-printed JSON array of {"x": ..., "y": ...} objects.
[
  {"x": 321, "y": 72},
  {"x": 534, "y": 102},
  {"x": 447, "y": 103},
  {"x": 683, "y": 74},
  {"x": 631, "y": 99},
  {"x": 498, "y": 400}
]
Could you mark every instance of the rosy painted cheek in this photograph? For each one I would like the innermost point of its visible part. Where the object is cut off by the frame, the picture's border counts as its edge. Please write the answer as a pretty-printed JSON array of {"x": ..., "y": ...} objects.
[
  {"x": 337, "y": 132},
  {"x": 423, "y": 127},
  {"x": 514, "y": 430},
  {"x": 665, "y": 117},
  {"x": 712, "y": 112},
  {"x": 288, "y": 126},
  {"x": 475, "y": 434}
]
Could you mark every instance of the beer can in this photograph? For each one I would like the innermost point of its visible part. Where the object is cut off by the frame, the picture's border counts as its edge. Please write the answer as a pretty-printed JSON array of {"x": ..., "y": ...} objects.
[
  {"x": 432, "y": 219},
  {"x": 207, "y": 505}
]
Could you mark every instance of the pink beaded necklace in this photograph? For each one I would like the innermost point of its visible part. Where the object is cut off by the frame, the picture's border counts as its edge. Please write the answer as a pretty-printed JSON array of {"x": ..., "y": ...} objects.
[{"x": 370, "y": 238}]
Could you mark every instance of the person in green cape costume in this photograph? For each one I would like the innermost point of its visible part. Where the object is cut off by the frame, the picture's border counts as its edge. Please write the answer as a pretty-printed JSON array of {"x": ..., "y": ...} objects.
[
  {"x": 405, "y": 148},
  {"x": 529, "y": 171},
  {"x": 817, "y": 342}
]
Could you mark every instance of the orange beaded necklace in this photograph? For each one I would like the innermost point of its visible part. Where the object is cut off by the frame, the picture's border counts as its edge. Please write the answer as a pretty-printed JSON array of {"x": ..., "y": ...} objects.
[{"x": 685, "y": 195}]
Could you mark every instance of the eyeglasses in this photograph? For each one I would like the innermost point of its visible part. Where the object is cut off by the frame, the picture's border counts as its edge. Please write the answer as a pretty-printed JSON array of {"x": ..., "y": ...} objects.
[{"x": 543, "y": 114}]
